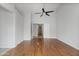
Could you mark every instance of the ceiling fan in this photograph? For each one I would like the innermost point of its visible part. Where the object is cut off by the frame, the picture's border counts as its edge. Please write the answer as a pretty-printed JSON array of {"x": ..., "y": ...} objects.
[{"x": 44, "y": 12}]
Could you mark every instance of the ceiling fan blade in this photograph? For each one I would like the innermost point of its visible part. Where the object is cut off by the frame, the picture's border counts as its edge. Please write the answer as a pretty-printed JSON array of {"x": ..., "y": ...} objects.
[
  {"x": 49, "y": 11},
  {"x": 43, "y": 10},
  {"x": 38, "y": 13},
  {"x": 47, "y": 14},
  {"x": 41, "y": 15}
]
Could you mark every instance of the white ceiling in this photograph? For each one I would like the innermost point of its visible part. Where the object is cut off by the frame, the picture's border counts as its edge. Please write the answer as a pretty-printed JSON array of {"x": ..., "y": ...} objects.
[{"x": 36, "y": 7}]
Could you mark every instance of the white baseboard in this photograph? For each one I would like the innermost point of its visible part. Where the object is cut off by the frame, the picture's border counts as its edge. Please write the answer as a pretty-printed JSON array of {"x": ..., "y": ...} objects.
[
  {"x": 1, "y": 54},
  {"x": 50, "y": 38},
  {"x": 69, "y": 44},
  {"x": 18, "y": 43}
]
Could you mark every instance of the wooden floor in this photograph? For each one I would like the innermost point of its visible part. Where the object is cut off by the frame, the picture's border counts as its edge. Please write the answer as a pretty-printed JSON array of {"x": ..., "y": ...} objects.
[{"x": 43, "y": 47}]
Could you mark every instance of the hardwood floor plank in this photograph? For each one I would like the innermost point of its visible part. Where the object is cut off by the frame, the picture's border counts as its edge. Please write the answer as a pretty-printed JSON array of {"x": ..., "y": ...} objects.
[{"x": 43, "y": 47}]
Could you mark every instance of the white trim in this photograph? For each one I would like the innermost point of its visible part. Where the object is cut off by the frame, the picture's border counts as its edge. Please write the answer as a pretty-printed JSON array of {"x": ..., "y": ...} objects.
[
  {"x": 1, "y": 54},
  {"x": 69, "y": 44}
]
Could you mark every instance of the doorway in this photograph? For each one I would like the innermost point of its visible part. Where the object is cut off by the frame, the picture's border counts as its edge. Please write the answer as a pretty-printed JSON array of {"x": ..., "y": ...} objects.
[{"x": 37, "y": 30}]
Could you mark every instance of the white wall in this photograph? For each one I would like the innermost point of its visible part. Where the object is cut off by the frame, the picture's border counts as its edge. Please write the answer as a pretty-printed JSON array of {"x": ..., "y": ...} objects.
[
  {"x": 19, "y": 28},
  {"x": 49, "y": 24},
  {"x": 11, "y": 28},
  {"x": 51, "y": 20},
  {"x": 48, "y": 20},
  {"x": 67, "y": 24},
  {"x": 27, "y": 26},
  {"x": 6, "y": 29}
]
